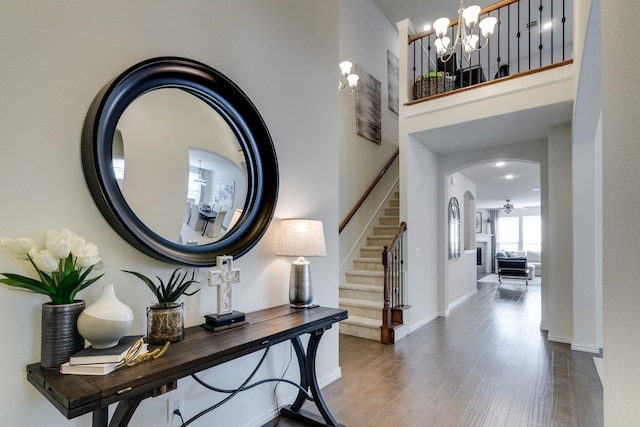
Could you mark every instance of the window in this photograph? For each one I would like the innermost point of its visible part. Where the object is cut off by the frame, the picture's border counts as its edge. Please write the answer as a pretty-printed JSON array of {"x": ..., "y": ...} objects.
[
  {"x": 531, "y": 234},
  {"x": 509, "y": 233},
  {"x": 519, "y": 233},
  {"x": 194, "y": 187}
]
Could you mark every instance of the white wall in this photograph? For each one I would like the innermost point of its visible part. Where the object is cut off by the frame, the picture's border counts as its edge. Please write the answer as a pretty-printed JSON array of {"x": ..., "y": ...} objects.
[
  {"x": 621, "y": 228},
  {"x": 365, "y": 37},
  {"x": 560, "y": 237},
  {"x": 57, "y": 57},
  {"x": 587, "y": 188},
  {"x": 461, "y": 272},
  {"x": 419, "y": 183}
]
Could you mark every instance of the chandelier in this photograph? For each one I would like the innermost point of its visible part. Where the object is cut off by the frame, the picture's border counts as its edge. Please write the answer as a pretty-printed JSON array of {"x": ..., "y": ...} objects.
[
  {"x": 465, "y": 37},
  {"x": 200, "y": 180},
  {"x": 508, "y": 207},
  {"x": 351, "y": 79}
]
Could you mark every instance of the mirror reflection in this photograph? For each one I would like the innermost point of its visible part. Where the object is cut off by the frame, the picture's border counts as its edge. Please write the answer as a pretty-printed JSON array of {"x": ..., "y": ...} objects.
[
  {"x": 454, "y": 228},
  {"x": 180, "y": 167}
]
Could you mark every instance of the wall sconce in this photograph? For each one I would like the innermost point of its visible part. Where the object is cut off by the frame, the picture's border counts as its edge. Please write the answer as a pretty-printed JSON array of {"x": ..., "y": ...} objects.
[
  {"x": 351, "y": 80},
  {"x": 301, "y": 238}
]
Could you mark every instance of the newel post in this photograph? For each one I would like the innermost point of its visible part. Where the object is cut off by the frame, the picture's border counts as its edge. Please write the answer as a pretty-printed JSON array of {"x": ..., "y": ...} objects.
[{"x": 385, "y": 329}]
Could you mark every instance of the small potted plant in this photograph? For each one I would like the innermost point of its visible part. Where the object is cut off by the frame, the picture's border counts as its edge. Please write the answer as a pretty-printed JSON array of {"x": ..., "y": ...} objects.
[{"x": 165, "y": 319}]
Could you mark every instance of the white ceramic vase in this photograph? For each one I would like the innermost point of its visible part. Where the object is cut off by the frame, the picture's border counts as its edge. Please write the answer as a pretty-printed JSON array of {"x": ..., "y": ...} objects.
[{"x": 105, "y": 321}]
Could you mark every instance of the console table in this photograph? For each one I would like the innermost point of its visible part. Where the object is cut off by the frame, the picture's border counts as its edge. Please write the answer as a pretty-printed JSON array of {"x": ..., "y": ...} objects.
[{"x": 75, "y": 395}]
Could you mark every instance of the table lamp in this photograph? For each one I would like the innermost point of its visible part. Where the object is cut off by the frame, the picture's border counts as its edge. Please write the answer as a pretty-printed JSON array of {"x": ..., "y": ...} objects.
[{"x": 301, "y": 238}]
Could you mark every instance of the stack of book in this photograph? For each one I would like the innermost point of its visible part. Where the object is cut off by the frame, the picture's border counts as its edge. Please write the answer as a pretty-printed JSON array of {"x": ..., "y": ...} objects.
[{"x": 91, "y": 361}]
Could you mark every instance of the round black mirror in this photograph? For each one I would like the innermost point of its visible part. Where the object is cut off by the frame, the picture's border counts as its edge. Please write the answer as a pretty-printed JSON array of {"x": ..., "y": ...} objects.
[{"x": 102, "y": 144}]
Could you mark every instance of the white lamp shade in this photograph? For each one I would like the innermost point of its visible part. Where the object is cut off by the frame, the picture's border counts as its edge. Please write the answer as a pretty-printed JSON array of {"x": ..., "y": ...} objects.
[
  {"x": 442, "y": 44},
  {"x": 440, "y": 26},
  {"x": 470, "y": 15},
  {"x": 471, "y": 43},
  {"x": 301, "y": 237},
  {"x": 353, "y": 80},
  {"x": 345, "y": 67},
  {"x": 487, "y": 26}
]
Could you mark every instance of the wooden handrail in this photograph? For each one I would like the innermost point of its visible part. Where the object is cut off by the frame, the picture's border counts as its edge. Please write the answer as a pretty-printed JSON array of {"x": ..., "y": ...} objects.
[
  {"x": 453, "y": 22},
  {"x": 386, "y": 331},
  {"x": 375, "y": 182}
]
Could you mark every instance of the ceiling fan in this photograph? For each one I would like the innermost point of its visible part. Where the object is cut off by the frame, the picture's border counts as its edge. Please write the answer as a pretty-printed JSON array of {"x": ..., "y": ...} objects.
[{"x": 508, "y": 207}]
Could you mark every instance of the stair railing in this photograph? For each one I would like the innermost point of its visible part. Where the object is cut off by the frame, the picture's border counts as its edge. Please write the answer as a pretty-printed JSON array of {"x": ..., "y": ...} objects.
[
  {"x": 521, "y": 44},
  {"x": 375, "y": 182},
  {"x": 394, "y": 283}
]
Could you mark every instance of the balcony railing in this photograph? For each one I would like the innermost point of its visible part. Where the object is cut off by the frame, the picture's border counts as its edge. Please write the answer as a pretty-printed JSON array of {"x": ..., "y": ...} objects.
[{"x": 529, "y": 35}]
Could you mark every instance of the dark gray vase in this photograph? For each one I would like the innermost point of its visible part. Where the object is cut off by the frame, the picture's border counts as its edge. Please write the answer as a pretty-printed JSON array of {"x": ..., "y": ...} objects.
[{"x": 60, "y": 338}]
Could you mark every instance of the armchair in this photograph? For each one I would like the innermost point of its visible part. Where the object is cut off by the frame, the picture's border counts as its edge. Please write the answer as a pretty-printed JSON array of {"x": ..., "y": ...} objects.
[{"x": 514, "y": 266}]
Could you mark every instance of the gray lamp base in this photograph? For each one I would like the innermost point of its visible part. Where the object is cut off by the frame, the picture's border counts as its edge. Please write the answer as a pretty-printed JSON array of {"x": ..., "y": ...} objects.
[{"x": 300, "y": 289}]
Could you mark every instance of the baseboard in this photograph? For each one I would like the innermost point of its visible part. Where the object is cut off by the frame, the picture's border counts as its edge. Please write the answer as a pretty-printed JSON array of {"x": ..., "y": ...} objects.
[
  {"x": 462, "y": 299},
  {"x": 443, "y": 313},
  {"x": 587, "y": 348},
  {"x": 421, "y": 323},
  {"x": 599, "y": 367},
  {"x": 401, "y": 332},
  {"x": 332, "y": 376},
  {"x": 273, "y": 412},
  {"x": 559, "y": 338},
  {"x": 544, "y": 327}
]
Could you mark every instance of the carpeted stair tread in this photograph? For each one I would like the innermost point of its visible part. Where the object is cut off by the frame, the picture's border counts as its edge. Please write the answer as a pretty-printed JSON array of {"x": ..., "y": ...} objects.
[
  {"x": 361, "y": 303},
  {"x": 363, "y": 321}
]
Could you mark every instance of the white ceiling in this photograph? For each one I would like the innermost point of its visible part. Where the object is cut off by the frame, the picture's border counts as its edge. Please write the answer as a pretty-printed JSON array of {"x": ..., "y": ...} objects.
[
  {"x": 530, "y": 125},
  {"x": 519, "y": 126},
  {"x": 492, "y": 188},
  {"x": 422, "y": 11}
]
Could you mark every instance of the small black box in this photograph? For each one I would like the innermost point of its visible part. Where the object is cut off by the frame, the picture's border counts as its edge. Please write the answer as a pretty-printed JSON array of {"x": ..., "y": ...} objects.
[{"x": 217, "y": 320}]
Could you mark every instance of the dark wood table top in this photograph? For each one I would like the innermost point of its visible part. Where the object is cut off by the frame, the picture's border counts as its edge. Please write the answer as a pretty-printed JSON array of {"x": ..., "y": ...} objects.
[{"x": 201, "y": 349}]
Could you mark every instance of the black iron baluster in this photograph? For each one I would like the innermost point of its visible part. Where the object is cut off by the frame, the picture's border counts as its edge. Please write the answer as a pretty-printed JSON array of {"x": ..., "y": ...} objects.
[
  {"x": 529, "y": 31},
  {"x": 498, "y": 25},
  {"x": 518, "y": 35},
  {"x": 419, "y": 84},
  {"x": 488, "y": 56},
  {"x": 552, "y": 31},
  {"x": 415, "y": 86},
  {"x": 508, "y": 35},
  {"x": 540, "y": 32},
  {"x": 564, "y": 19}
]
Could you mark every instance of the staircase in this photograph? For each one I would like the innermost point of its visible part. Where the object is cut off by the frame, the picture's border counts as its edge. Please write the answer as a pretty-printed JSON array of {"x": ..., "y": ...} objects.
[{"x": 362, "y": 294}]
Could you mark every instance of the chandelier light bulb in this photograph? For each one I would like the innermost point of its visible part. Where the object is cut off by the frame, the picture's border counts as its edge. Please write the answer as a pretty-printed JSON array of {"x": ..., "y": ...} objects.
[
  {"x": 470, "y": 15},
  {"x": 440, "y": 26},
  {"x": 488, "y": 25}
]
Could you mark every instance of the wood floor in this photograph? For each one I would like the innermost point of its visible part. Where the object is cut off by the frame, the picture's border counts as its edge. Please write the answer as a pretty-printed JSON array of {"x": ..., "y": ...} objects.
[{"x": 487, "y": 364}]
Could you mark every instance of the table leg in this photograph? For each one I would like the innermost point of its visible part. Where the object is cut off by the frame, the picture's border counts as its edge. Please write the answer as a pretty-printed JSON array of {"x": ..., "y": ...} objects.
[
  {"x": 122, "y": 415},
  {"x": 100, "y": 417},
  {"x": 309, "y": 381}
]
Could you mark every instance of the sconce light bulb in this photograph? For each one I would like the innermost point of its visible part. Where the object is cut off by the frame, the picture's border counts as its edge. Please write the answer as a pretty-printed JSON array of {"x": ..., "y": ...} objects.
[
  {"x": 345, "y": 67},
  {"x": 353, "y": 80}
]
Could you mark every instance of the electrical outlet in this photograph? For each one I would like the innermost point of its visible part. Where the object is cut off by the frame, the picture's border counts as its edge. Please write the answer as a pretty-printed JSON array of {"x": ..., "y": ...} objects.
[{"x": 173, "y": 403}]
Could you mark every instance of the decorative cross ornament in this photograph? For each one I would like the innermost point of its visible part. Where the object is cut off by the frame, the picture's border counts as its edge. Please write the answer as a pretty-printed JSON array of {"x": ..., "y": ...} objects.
[{"x": 223, "y": 277}]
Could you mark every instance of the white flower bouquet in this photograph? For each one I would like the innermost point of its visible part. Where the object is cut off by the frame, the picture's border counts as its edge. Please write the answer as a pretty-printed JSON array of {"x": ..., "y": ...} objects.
[{"x": 62, "y": 267}]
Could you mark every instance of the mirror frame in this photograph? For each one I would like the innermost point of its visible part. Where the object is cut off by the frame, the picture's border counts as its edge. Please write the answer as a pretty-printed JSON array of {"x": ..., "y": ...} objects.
[{"x": 225, "y": 97}]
